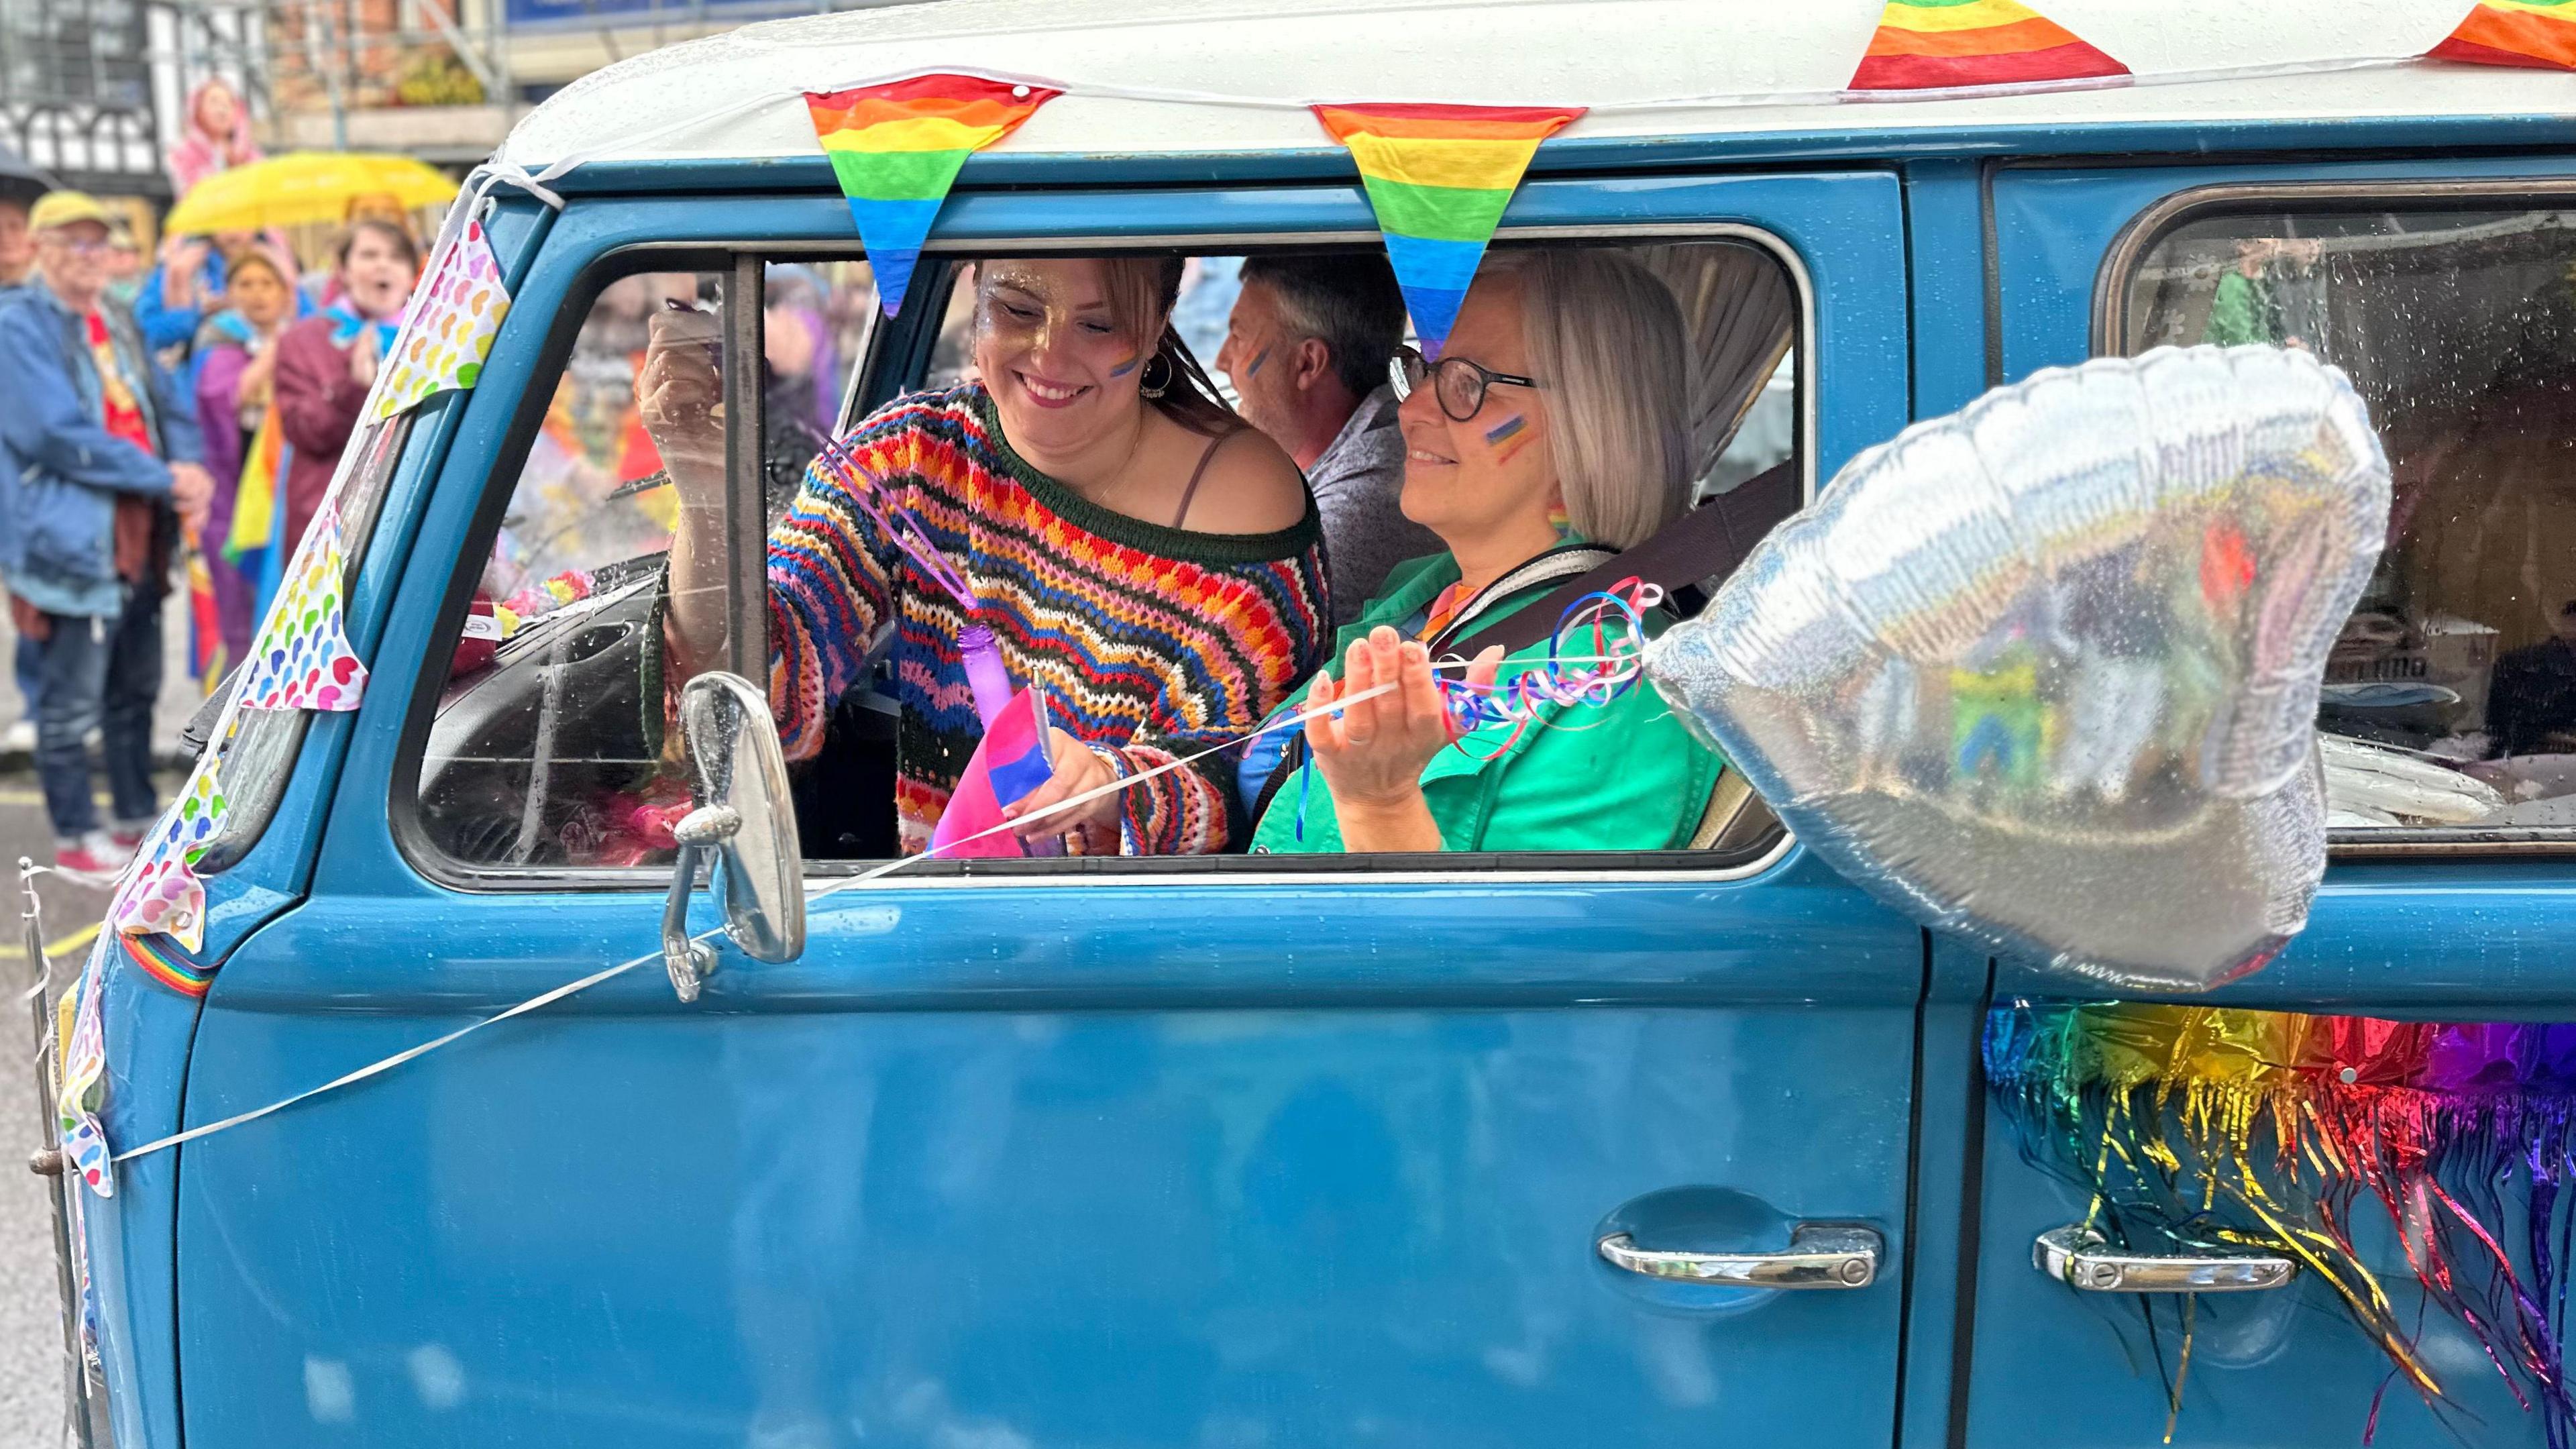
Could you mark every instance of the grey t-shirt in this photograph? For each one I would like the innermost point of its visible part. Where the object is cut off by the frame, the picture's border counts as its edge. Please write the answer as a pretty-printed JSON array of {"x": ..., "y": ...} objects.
[{"x": 1356, "y": 482}]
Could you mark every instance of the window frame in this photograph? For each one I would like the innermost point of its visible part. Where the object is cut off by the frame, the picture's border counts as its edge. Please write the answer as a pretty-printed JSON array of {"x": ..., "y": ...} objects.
[
  {"x": 909, "y": 349},
  {"x": 2112, "y": 318},
  {"x": 743, "y": 328}
]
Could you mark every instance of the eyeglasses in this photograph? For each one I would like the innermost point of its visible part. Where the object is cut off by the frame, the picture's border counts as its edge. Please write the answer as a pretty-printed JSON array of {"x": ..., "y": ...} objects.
[
  {"x": 85, "y": 250},
  {"x": 1458, "y": 383}
]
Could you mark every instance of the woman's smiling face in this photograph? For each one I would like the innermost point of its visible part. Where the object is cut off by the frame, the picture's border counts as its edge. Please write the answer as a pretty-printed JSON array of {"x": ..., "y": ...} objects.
[
  {"x": 1495, "y": 470},
  {"x": 1062, "y": 373}
]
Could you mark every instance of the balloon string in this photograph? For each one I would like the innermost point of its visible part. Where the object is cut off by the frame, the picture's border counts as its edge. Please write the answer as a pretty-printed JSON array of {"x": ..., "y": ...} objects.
[
  {"x": 867, "y": 877},
  {"x": 838, "y": 463},
  {"x": 1563, "y": 679}
]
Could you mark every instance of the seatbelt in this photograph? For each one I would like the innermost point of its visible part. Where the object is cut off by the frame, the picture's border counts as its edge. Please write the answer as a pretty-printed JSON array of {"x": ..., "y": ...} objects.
[
  {"x": 1709, "y": 542},
  {"x": 1565, "y": 561}
]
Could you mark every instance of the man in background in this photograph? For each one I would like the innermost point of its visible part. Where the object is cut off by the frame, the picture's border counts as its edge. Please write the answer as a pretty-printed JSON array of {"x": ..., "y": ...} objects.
[
  {"x": 17, "y": 264},
  {"x": 1306, "y": 350},
  {"x": 104, "y": 448}
]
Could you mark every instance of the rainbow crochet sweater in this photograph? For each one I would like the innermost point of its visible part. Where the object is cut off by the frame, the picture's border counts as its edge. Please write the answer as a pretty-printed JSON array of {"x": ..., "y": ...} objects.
[{"x": 1150, "y": 642}]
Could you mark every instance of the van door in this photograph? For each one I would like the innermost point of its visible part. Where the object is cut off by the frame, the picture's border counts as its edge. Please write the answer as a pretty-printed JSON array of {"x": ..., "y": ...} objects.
[
  {"x": 1240, "y": 1151},
  {"x": 2439, "y": 285}
]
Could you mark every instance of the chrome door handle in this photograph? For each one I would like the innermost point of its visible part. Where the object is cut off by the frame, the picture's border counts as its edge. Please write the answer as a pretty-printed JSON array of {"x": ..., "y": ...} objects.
[
  {"x": 2080, "y": 1258},
  {"x": 1820, "y": 1255}
]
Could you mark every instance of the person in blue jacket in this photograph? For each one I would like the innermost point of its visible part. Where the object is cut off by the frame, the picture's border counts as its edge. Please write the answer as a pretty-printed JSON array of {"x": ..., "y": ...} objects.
[
  {"x": 106, "y": 457},
  {"x": 17, "y": 266},
  {"x": 177, "y": 296}
]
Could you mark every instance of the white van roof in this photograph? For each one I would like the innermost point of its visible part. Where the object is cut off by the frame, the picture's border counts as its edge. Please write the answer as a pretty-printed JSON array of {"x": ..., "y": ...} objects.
[{"x": 1179, "y": 76}]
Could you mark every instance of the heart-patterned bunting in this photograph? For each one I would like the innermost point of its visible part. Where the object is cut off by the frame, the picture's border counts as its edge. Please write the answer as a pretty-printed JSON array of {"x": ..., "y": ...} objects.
[
  {"x": 454, "y": 317},
  {"x": 2045, "y": 672},
  {"x": 301, "y": 659}
]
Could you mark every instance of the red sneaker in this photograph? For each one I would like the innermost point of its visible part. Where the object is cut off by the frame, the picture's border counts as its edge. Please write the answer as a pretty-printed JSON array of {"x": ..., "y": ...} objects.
[{"x": 93, "y": 861}]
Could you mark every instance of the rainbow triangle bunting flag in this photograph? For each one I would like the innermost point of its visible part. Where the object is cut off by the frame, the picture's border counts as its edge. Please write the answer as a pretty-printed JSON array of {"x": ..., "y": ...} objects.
[
  {"x": 1438, "y": 178},
  {"x": 1936, "y": 44},
  {"x": 896, "y": 149},
  {"x": 2539, "y": 33}
]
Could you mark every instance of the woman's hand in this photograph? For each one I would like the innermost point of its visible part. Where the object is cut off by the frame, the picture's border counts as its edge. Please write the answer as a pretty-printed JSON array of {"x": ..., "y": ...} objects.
[
  {"x": 680, "y": 396},
  {"x": 1077, "y": 771},
  {"x": 363, "y": 357},
  {"x": 257, "y": 379},
  {"x": 1374, "y": 753}
]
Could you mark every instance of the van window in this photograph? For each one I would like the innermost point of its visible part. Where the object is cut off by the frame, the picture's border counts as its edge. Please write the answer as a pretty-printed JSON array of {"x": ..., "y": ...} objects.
[
  {"x": 2450, "y": 698},
  {"x": 544, "y": 750},
  {"x": 547, "y": 748}
]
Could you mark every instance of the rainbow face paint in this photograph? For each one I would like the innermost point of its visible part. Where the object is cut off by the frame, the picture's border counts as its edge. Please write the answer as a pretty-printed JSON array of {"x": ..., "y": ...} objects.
[
  {"x": 1133, "y": 362},
  {"x": 1508, "y": 437},
  {"x": 1253, "y": 368}
]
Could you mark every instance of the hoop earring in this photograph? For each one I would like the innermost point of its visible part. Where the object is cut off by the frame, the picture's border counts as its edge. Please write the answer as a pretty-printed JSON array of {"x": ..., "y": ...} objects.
[{"x": 1153, "y": 383}]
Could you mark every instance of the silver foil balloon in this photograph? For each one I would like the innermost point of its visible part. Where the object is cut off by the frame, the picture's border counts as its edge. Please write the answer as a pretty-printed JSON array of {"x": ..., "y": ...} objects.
[{"x": 2044, "y": 672}]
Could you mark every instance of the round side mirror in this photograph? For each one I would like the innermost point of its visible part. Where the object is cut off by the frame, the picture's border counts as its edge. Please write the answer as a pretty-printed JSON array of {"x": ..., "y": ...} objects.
[{"x": 744, "y": 822}]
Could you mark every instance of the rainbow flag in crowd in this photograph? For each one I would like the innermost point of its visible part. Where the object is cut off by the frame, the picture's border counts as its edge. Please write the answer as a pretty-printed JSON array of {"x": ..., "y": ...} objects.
[
  {"x": 206, "y": 663},
  {"x": 1438, "y": 178},
  {"x": 251, "y": 544},
  {"x": 1932, "y": 44},
  {"x": 896, "y": 149},
  {"x": 2538, "y": 33}
]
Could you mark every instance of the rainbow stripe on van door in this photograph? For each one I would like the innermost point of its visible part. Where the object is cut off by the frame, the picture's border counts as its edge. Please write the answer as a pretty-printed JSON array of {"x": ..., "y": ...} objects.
[
  {"x": 1438, "y": 178},
  {"x": 1935, "y": 44},
  {"x": 896, "y": 149}
]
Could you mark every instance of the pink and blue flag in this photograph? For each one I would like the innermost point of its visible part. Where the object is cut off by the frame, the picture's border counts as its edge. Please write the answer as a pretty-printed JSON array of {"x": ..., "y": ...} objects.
[{"x": 1009, "y": 764}]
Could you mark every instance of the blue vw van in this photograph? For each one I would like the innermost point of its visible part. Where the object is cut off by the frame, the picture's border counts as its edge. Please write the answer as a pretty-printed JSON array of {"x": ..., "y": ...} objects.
[{"x": 1261, "y": 1151}]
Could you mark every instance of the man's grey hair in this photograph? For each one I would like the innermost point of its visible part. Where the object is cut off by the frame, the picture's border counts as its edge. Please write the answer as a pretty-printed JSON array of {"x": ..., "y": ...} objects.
[
  {"x": 1349, "y": 302},
  {"x": 1605, "y": 339}
]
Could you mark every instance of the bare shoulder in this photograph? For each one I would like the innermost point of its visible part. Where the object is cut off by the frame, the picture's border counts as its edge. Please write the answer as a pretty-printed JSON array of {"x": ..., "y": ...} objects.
[{"x": 1252, "y": 486}]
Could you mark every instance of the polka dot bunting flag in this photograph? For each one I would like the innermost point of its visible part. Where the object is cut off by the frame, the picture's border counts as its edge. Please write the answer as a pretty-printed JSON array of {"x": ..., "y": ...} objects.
[
  {"x": 453, "y": 319},
  {"x": 160, "y": 891},
  {"x": 301, "y": 659},
  {"x": 81, "y": 1054}
]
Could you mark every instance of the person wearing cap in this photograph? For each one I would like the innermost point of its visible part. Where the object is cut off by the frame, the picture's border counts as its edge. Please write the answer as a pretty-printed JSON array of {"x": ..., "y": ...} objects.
[{"x": 106, "y": 457}]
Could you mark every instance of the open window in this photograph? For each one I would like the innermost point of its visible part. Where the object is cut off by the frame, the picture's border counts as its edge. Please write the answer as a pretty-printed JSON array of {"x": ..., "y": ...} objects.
[
  {"x": 545, "y": 753},
  {"x": 2449, "y": 708}
]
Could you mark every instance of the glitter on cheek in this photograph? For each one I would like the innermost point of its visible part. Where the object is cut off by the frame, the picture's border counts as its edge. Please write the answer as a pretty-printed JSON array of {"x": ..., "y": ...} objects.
[{"x": 1252, "y": 369}]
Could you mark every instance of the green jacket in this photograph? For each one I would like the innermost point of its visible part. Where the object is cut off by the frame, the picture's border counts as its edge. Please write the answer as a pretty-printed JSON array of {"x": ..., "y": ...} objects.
[{"x": 1622, "y": 776}]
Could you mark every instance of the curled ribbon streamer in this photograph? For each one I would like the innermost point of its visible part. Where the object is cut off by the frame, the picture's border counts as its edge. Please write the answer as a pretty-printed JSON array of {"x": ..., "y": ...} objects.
[{"x": 1615, "y": 620}]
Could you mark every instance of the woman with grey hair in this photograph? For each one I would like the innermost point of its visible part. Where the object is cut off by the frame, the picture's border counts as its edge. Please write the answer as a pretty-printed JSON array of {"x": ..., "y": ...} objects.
[{"x": 1551, "y": 433}]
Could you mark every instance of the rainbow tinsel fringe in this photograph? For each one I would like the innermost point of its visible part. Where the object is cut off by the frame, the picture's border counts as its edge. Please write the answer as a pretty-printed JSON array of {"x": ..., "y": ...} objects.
[{"x": 2194, "y": 1129}]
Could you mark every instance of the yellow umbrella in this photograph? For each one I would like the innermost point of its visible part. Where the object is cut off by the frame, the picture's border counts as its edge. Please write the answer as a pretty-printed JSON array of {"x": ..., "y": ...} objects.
[{"x": 302, "y": 187}]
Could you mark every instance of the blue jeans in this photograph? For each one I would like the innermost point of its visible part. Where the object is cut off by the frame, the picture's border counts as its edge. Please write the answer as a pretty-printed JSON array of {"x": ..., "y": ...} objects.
[
  {"x": 28, "y": 666},
  {"x": 102, "y": 674}
]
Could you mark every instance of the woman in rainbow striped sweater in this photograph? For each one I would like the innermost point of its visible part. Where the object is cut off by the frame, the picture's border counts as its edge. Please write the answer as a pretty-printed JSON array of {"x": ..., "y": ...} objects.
[{"x": 1152, "y": 564}]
